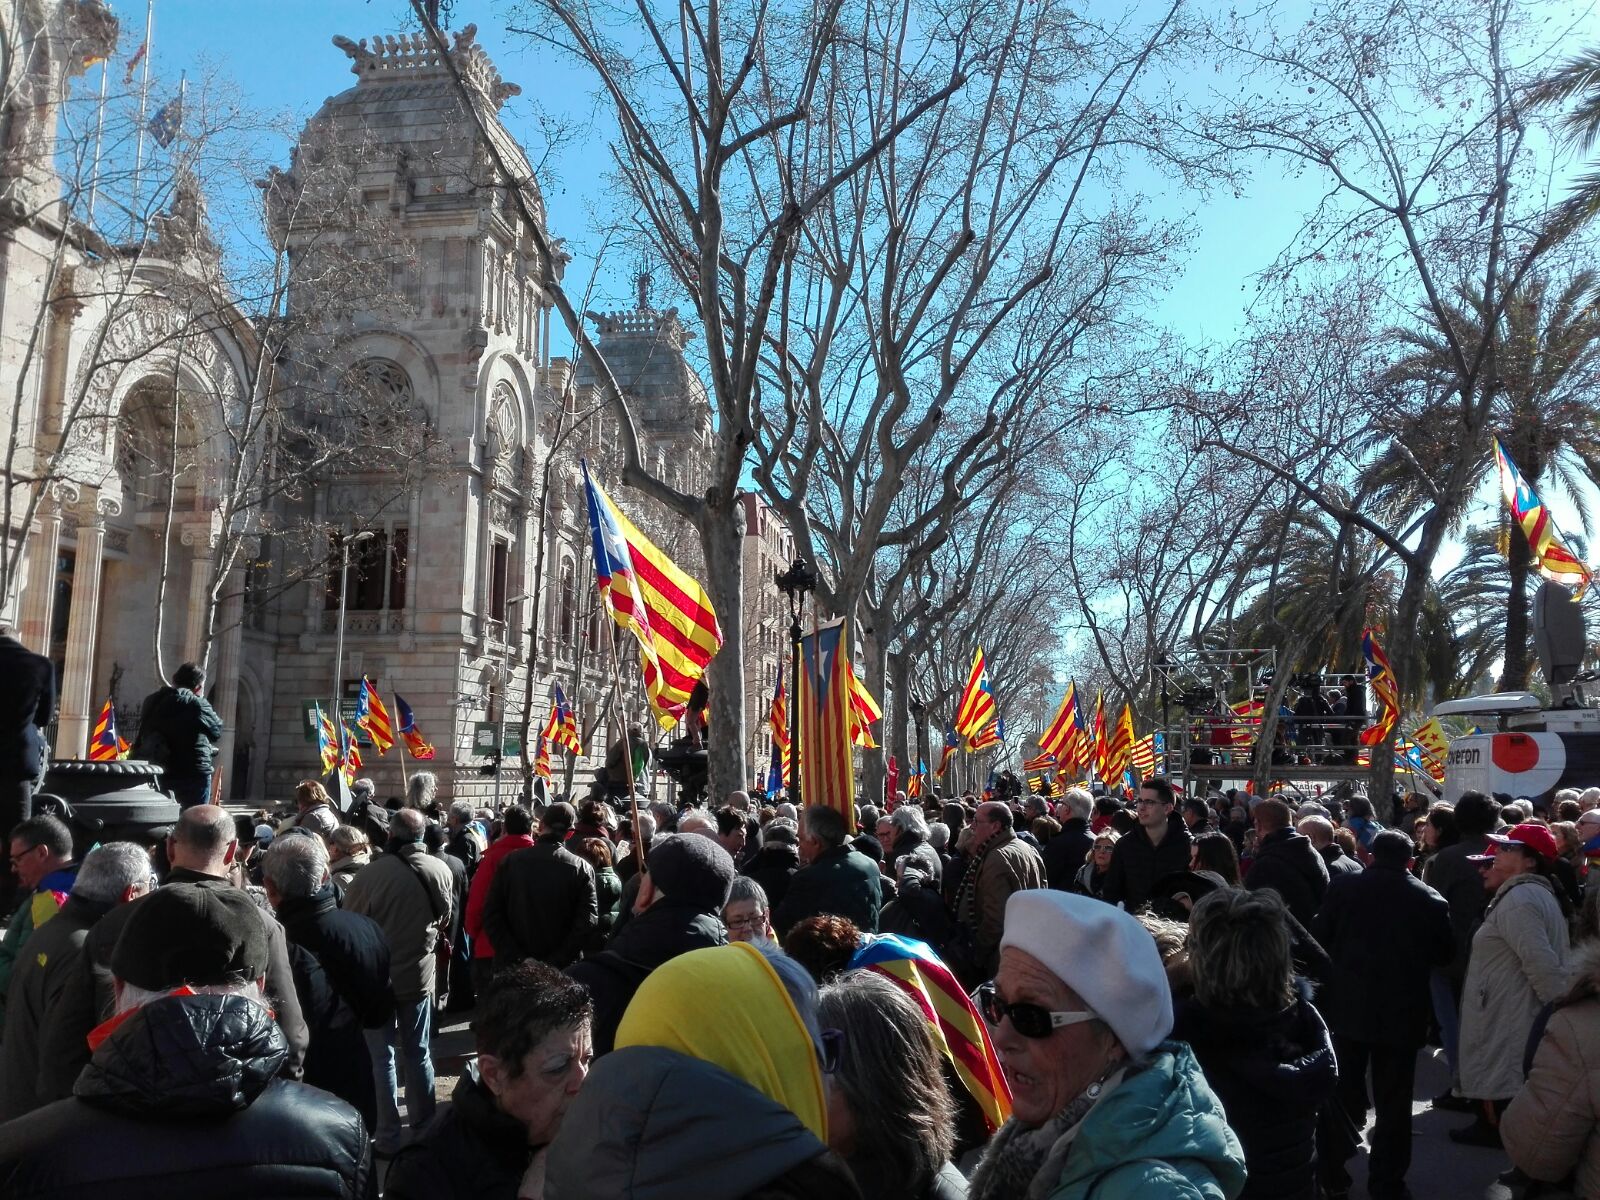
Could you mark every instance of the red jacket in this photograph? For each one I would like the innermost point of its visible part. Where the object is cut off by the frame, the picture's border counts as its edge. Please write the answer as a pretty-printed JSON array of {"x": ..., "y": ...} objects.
[{"x": 478, "y": 896}]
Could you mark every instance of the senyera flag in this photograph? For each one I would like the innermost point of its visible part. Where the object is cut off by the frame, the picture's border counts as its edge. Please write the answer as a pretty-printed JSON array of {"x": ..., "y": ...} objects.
[
  {"x": 327, "y": 741},
  {"x": 1058, "y": 740},
  {"x": 373, "y": 717},
  {"x": 666, "y": 610},
  {"x": 864, "y": 711},
  {"x": 827, "y": 764},
  {"x": 421, "y": 749},
  {"x": 952, "y": 1017},
  {"x": 778, "y": 723},
  {"x": 1556, "y": 561}
]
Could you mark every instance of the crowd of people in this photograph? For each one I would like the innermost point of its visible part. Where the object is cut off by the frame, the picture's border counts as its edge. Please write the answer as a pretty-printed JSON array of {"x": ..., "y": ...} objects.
[{"x": 1188, "y": 996}]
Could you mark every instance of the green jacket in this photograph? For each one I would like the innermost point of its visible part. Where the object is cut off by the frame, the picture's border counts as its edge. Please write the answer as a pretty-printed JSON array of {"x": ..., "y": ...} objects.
[{"x": 1161, "y": 1133}]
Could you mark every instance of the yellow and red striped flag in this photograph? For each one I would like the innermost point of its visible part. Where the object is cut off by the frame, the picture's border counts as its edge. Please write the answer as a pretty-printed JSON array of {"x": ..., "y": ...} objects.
[
  {"x": 1383, "y": 685},
  {"x": 990, "y": 735},
  {"x": 352, "y": 755},
  {"x": 563, "y": 727},
  {"x": 1044, "y": 762},
  {"x": 976, "y": 710},
  {"x": 1556, "y": 561},
  {"x": 1098, "y": 745},
  {"x": 864, "y": 711},
  {"x": 1245, "y": 714},
  {"x": 1120, "y": 748},
  {"x": 953, "y": 1019},
  {"x": 421, "y": 748},
  {"x": 778, "y": 723},
  {"x": 1435, "y": 744},
  {"x": 664, "y": 608},
  {"x": 827, "y": 765},
  {"x": 327, "y": 741},
  {"x": 373, "y": 717},
  {"x": 1143, "y": 759},
  {"x": 951, "y": 741},
  {"x": 1058, "y": 739},
  {"x": 105, "y": 743},
  {"x": 541, "y": 760}
]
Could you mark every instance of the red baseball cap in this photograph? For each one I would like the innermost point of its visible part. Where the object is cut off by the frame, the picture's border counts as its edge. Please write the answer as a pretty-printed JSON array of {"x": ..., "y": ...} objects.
[{"x": 1535, "y": 837}]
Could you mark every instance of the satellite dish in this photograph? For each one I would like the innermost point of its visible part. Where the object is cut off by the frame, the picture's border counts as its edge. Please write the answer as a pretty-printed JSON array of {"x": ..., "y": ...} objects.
[{"x": 1558, "y": 637}]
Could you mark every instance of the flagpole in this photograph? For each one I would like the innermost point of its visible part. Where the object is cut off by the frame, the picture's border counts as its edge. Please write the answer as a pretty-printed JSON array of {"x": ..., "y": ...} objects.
[
  {"x": 99, "y": 134},
  {"x": 144, "y": 100},
  {"x": 627, "y": 748},
  {"x": 405, "y": 784}
]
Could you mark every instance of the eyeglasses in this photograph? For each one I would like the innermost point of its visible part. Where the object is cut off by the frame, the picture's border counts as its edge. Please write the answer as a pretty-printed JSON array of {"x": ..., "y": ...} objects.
[
  {"x": 1030, "y": 1020},
  {"x": 832, "y": 1050},
  {"x": 752, "y": 922},
  {"x": 17, "y": 858}
]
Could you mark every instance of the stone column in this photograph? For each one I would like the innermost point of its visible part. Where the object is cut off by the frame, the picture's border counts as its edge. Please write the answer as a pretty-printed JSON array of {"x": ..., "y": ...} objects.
[
  {"x": 83, "y": 623},
  {"x": 225, "y": 671},
  {"x": 39, "y": 594}
]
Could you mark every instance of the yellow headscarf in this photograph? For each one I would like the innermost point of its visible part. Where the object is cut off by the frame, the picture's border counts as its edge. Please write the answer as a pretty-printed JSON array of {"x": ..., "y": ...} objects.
[{"x": 727, "y": 1006}]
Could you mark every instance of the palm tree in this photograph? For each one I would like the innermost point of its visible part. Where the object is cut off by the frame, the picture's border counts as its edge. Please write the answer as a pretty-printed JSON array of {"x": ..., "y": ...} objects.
[
  {"x": 1542, "y": 361},
  {"x": 1577, "y": 77}
]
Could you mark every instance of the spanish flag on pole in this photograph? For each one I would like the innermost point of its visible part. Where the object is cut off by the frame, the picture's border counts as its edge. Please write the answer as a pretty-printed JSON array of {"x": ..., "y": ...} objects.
[
  {"x": 664, "y": 608},
  {"x": 827, "y": 766}
]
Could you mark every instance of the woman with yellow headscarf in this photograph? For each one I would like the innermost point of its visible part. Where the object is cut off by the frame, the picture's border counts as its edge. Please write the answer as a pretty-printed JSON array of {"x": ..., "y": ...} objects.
[{"x": 714, "y": 1091}]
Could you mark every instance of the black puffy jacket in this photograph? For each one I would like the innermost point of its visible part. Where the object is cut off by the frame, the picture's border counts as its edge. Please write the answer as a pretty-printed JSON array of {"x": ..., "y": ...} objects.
[
  {"x": 1272, "y": 1071},
  {"x": 179, "y": 730},
  {"x": 469, "y": 1151},
  {"x": 182, "y": 1099},
  {"x": 773, "y": 867},
  {"x": 1289, "y": 864}
]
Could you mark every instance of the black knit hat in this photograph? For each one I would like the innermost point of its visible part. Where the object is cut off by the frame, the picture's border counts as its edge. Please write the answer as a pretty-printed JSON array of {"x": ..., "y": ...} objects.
[
  {"x": 195, "y": 933},
  {"x": 692, "y": 870}
]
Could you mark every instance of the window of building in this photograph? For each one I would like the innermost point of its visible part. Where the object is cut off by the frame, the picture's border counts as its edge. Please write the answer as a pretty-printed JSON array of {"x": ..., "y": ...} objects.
[
  {"x": 568, "y": 617},
  {"x": 377, "y": 573},
  {"x": 499, "y": 574}
]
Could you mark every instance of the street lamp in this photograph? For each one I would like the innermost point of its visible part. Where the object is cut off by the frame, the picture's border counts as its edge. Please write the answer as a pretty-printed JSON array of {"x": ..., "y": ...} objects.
[
  {"x": 505, "y": 695},
  {"x": 345, "y": 541},
  {"x": 795, "y": 583}
]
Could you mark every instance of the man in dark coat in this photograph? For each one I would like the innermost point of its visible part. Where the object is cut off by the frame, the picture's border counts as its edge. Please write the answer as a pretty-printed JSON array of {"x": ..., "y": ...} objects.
[
  {"x": 179, "y": 731},
  {"x": 455, "y": 990},
  {"x": 1385, "y": 931},
  {"x": 775, "y": 864},
  {"x": 1286, "y": 862},
  {"x": 1158, "y": 846},
  {"x": 1319, "y": 832},
  {"x": 112, "y": 874},
  {"x": 837, "y": 879},
  {"x": 182, "y": 1093},
  {"x": 27, "y": 704},
  {"x": 341, "y": 969},
  {"x": 1065, "y": 854},
  {"x": 681, "y": 894},
  {"x": 542, "y": 901}
]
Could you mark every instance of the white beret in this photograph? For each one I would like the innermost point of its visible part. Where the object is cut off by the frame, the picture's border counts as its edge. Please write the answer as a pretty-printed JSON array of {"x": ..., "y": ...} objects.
[{"x": 1101, "y": 953}]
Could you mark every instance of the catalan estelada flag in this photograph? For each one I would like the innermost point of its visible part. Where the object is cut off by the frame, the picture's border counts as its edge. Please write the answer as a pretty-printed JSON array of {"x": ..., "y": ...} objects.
[
  {"x": 541, "y": 760},
  {"x": 421, "y": 749},
  {"x": 914, "y": 785},
  {"x": 105, "y": 744},
  {"x": 1556, "y": 561},
  {"x": 778, "y": 723},
  {"x": 953, "y": 1019},
  {"x": 1120, "y": 748},
  {"x": 976, "y": 709},
  {"x": 564, "y": 725},
  {"x": 1384, "y": 686},
  {"x": 864, "y": 711},
  {"x": 352, "y": 756},
  {"x": 827, "y": 766},
  {"x": 1435, "y": 745},
  {"x": 327, "y": 741},
  {"x": 373, "y": 717},
  {"x": 1045, "y": 762},
  {"x": 646, "y": 594},
  {"x": 990, "y": 735},
  {"x": 951, "y": 742}
]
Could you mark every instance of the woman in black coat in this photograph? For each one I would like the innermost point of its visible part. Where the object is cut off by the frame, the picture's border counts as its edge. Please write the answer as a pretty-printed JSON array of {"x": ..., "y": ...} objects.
[{"x": 1264, "y": 1048}]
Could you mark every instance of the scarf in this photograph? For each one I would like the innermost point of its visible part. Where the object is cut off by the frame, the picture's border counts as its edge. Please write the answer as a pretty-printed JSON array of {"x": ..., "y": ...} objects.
[
  {"x": 967, "y": 893},
  {"x": 1028, "y": 1162}
]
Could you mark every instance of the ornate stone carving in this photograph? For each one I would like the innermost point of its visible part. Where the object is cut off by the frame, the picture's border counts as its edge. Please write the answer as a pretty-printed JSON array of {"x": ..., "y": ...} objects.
[
  {"x": 505, "y": 455},
  {"x": 414, "y": 54}
]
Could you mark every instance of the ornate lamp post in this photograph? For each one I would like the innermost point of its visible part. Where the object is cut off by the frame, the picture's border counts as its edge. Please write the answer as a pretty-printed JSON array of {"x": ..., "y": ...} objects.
[{"x": 795, "y": 583}]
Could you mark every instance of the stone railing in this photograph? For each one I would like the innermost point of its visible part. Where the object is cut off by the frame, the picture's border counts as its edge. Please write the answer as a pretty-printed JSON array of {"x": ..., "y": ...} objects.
[{"x": 365, "y": 623}]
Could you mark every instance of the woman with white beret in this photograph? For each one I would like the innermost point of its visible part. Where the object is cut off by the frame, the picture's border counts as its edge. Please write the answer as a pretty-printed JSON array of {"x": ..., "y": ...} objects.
[{"x": 1103, "y": 1105}]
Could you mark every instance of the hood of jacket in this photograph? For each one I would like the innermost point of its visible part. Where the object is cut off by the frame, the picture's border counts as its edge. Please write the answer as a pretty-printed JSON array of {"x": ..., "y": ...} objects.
[
  {"x": 186, "y": 1056},
  {"x": 1526, "y": 879},
  {"x": 665, "y": 930},
  {"x": 624, "y": 1134},
  {"x": 1284, "y": 1058},
  {"x": 1165, "y": 1112}
]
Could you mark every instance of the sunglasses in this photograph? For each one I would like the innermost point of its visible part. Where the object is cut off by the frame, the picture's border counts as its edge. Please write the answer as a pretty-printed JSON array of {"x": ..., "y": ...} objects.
[{"x": 1030, "y": 1020}]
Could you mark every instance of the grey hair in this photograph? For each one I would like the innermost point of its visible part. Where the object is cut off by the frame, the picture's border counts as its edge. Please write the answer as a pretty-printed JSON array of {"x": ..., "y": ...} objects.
[
  {"x": 1239, "y": 950},
  {"x": 110, "y": 870},
  {"x": 892, "y": 1076},
  {"x": 363, "y": 788},
  {"x": 1079, "y": 802},
  {"x": 1590, "y": 796},
  {"x": 350, "y": 839},
  {"x": 663, "y": 812},
  {"x": 789, "y": 812},
  {"x": 409, "y": 821},
  {"x": 784, "y": 823},
  {"x": 938, "y": 834},
  {"x": 647, "y": 825},
  {"x": 908, "y": 819},
  {"x": 1563, "y": 795},
  {"x": 132, "y": 996},
  {"x": 697, "y": 820},
  {"x": 421, "y": 790},
  {"x": 461, "y": 810},
  {"x": 1318, "y": 828},
  {"x": 745, "y": 888},
  {"x": 296, "y": 866},
  {"x": 798, "y": 983}
]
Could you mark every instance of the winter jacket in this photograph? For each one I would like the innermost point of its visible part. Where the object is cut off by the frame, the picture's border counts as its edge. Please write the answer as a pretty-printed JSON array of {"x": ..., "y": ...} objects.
[
  {"x": 1338, "y": 862},
  {"x": 471, "y": 1150},
  {"x": 773, "y": 866},
  {"x": 178, "y": 730},
  {"x": 182, "y": 1099},
  {"x": 88, "y": 996},
  {"x": 1519, "y": 963},
  {"x": 27, "y": 706},
  {"x": 407, "y": 892},
  {"x": 1065, "y": 854},
  {"x": 541, "y": 905},
  {"x": 1090, "y": 882},
  {"x": 623, "y": 1137},
  {"x": 53, "y": 954},
  {"x": 1136, "y": 863},
  {"x": 1553, "y": 1125},
  {"x": 1272, "y": 1071},
  {"x": 478, "y": 893},
  {"x": 841, "y": 882},
  {"x": 1161, "y": 1132},
  {"x": 608, "y": 902},
  {"x": 665, "y": 930},
  {"x": 1289, "y": 864},
  {"x": 1385, "y": 932},
  {"x": 36, "y": 909},
  {"x": 467, "y": 843},
  {"x": 919, "y": 912},
  {"x": 1451, "y": 873},
  {"x": 346, "y": 869},
  {"x": 1008, "y": 866}
]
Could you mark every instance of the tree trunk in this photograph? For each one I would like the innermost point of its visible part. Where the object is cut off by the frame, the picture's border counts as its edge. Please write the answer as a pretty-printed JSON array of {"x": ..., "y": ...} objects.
[
  {"x": 721, "y": 537},
  {"x": 899, "y": 714},
  {"x": 1261, "y": 773},
  {"x": 1518, "y": 666},
  {"x": 874, "y": 768},
  {"x": 1403, "y": 640}
]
